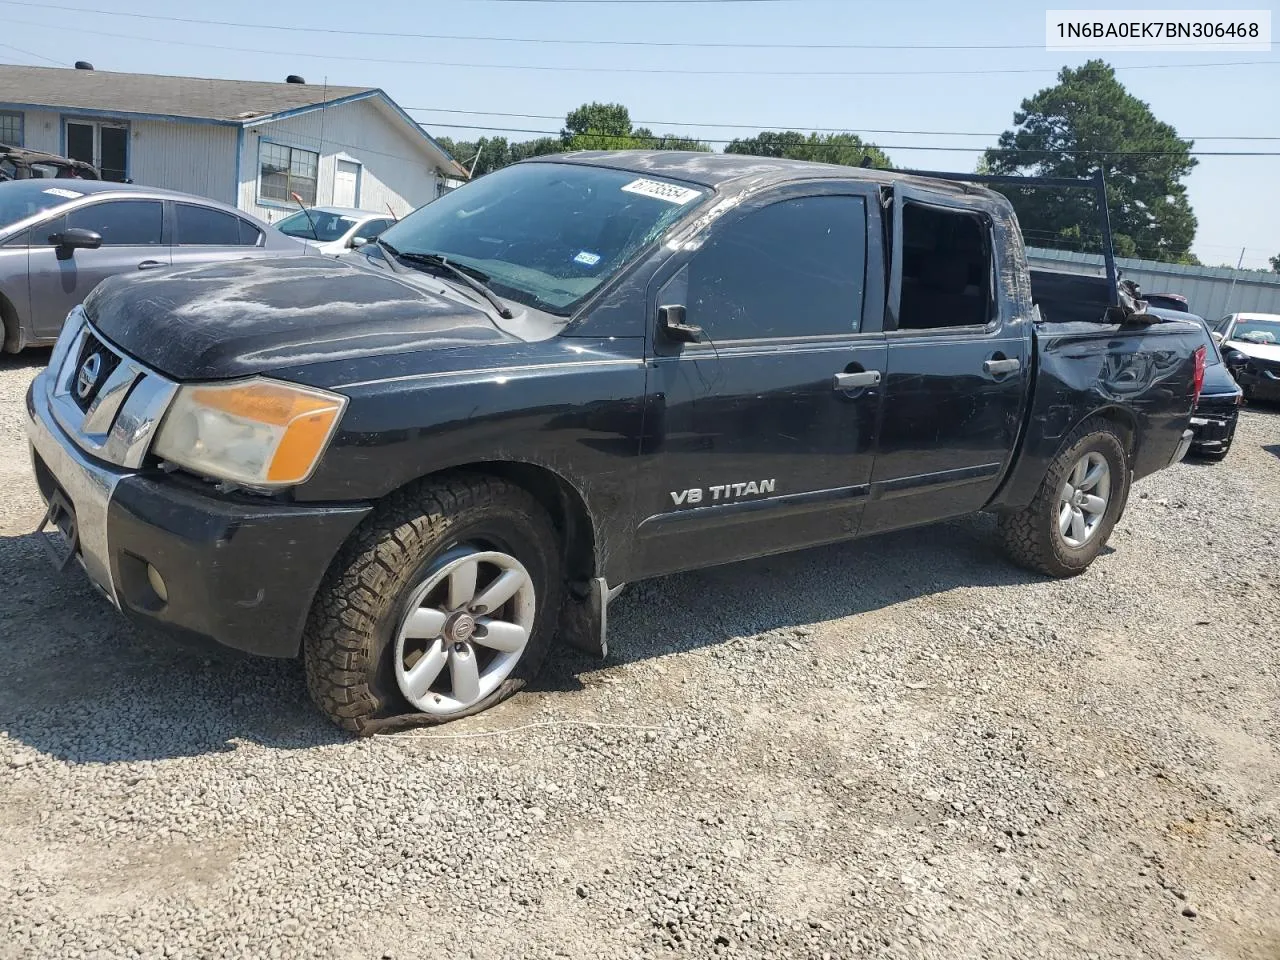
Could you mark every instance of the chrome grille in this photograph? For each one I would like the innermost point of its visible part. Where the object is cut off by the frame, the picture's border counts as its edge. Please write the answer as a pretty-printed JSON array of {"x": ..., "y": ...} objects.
[
  {"x": 94, "y": 367},
  {"x": 107, "y": 402}
]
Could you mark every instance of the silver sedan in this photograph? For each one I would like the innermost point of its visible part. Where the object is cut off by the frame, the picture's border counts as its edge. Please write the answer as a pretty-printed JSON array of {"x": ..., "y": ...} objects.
[{"x": 61, "y": 238}]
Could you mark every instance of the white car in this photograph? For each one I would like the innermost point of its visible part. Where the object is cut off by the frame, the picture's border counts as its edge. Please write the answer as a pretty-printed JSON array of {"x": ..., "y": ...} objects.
[{"x": 334, "y": 230}]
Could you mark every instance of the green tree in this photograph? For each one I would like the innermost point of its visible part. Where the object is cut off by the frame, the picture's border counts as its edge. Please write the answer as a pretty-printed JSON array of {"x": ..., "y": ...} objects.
[
  {"x": 1086, "y": 122},
  {"x": 493, "y": 153},
  {"x": 646, "y": 139},
  {"x": 592, "y": 126},
  {"x": 1275, "y": 263},
  {"x": 604, "y": 120},
  {"x": 846, "y": 149},
  {"x": 535, "y": 148},
  {"x": 607, "y": 126}
]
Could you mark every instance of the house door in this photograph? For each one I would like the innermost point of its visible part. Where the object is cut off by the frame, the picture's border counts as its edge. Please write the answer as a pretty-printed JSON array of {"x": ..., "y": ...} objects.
[
  {"x": 346, "y": 184},
  {"x": 105, "y": 145}
]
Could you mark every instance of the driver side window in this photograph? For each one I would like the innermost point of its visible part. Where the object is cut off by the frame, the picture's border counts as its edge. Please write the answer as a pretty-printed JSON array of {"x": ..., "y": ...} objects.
[
  {"x": 121, "y": 223},
  {"x": 795, "y": 268}
]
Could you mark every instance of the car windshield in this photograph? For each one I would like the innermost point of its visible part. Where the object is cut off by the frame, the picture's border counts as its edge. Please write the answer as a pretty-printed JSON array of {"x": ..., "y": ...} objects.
[
  {"x": 20, "y": 199},
  {"x": 1257, "y": 331},
  {"x": 545, "y": 234},
  {"x": 329, "y": 226}
]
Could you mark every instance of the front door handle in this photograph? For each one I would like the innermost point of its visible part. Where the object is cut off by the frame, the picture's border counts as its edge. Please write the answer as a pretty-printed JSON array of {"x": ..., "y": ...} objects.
[
  {"x": 1001, "y": 366},
  {"x": 856, "y": 381},
  {"x": 150, "y": 264}
]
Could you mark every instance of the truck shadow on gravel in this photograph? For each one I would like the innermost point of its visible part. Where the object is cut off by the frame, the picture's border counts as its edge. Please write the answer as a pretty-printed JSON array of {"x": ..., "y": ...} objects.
[
  {"x": 80, "y": 684},
  {"x": 708, "y": 607}
]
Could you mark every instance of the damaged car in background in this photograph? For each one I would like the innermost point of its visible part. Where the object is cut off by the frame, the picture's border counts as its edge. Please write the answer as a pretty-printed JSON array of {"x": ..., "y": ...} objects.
[
  {"x": 417, "y": 464},
  {"x": 1250, "y": 344}
]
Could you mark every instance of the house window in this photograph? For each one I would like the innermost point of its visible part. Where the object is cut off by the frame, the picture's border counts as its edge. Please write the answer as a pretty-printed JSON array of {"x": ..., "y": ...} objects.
[
  {"x": 284, "y": 171},
  {"x": 11, "y": 129},
  {"x": 105, "y": 145}
]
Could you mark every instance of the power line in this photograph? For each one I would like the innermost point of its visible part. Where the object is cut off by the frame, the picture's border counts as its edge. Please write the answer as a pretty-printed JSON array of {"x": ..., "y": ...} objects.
[
  {"x": 883, "y": 146},
  {"x": 562, "y": 68},
  {"x": 756, "y": 126},
  {"x": 562, "y": 41},
  {"x": 29, "y": 53}
]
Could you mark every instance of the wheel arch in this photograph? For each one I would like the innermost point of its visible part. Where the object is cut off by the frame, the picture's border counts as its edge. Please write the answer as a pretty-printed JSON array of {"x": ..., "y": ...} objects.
[
  {"x": 1032, "y": 463},
  {"x": 563, "y": 501},
  {"x": 10, "y": 325},
  {"x": 1123, "y": 419}
]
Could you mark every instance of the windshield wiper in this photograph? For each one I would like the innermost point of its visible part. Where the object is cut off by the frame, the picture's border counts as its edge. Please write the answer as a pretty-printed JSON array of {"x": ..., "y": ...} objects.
[
  {"x": 470, "y": 276},
  {"x": 389, "y": 253}
]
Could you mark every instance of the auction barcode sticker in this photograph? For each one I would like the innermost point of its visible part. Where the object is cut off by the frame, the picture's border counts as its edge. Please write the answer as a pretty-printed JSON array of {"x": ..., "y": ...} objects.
[
  {"x": 1192, "y": 31},
  {"x": 661, "y": 191}
]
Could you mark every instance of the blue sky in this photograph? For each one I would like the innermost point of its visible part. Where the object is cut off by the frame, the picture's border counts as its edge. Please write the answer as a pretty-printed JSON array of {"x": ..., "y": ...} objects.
[{"x": 1235, "y": 198}]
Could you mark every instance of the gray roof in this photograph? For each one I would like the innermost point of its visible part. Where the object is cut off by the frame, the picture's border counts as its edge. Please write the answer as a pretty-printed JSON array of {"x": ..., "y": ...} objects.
[{"x": 195, "y": 97}]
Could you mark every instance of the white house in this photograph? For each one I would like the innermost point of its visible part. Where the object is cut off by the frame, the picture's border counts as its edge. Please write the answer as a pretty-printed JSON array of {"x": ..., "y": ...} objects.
[{"x": 246, "y": 143}]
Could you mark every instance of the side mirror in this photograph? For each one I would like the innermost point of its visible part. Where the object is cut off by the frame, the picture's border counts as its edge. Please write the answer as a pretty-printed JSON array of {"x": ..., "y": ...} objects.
[
  {"x": 671, "y": 322},
  {"x": 75, "y": 238},
  {"x": 1217, "y": 337},
  {"x": 357, "y": 242}
]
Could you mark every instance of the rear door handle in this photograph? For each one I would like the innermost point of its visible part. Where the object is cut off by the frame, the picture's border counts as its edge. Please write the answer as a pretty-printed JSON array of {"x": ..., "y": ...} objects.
[
  {"x": 150, "y": 264},
  {"x": 856, "y": 381},
  {"x": 1001, "y": 366}
]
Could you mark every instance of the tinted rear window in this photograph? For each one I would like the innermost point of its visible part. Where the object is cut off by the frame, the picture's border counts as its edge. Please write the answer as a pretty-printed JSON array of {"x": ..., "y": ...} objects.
[{"x": 206, "y": 226}]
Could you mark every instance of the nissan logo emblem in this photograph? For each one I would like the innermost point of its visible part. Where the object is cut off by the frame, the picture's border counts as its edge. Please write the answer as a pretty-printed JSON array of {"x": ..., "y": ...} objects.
[{"x": 87, "y": 378}]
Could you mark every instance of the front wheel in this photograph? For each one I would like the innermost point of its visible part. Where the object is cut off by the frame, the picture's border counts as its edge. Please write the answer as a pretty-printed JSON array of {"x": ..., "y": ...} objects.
[
  {"x": 441, "y": 605},
  {"x": 1066, "y": 526}
]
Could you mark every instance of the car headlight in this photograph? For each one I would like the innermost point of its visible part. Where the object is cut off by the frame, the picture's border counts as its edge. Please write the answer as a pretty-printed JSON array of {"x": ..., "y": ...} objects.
[{"x": 259, "y": 432}]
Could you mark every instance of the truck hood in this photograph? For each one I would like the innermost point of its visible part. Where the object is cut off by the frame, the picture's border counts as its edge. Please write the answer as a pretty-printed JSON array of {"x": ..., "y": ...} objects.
[
  {"x": 1259, "y": 351},
  {"x": 243, "y": 317}
]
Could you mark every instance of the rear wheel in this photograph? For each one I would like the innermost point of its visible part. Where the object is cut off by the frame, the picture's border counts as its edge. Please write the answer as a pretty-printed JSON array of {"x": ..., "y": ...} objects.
[
  {"x": 442, "y": 605},
  {"x": 1079, "y": 501}
]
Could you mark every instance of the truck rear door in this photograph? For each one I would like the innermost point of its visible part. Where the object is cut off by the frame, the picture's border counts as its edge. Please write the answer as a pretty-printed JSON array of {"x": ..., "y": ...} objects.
[
  {"x": 958, "y": 363},
  {"x": 762, "y": 433}
]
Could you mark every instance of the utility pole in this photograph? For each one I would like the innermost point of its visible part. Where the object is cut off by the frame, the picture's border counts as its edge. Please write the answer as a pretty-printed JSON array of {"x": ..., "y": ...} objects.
[{"x": 1231, "y": 292}]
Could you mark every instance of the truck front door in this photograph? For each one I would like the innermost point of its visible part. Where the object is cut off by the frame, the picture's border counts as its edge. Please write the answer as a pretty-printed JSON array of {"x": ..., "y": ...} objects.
[
  {"x": 958, "y": 367},
  {"x": 761, "y": 434}
]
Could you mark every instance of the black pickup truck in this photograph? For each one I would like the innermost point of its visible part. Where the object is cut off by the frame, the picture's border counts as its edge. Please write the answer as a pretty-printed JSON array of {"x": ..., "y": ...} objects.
[{"x": 417, "y": 464}]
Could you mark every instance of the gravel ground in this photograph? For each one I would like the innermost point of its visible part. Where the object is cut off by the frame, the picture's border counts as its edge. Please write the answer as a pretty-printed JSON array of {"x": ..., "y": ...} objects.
[{"x": 898, "y": 748}]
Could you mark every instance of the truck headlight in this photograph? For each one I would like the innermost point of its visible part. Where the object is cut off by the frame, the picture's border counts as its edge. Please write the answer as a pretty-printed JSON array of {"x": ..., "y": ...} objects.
[{"x": 259, "y": 432}]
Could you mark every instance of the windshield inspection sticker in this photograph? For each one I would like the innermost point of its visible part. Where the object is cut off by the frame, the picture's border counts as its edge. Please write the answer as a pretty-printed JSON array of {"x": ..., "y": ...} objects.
[
  {"x": 587, "y": 259},
  {"x": 661, "y": 191},
  {"x": 68, "y": 194}
]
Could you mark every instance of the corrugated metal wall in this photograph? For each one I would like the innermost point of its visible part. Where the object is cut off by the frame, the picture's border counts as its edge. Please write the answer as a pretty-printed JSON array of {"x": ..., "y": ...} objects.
[
  {"x": 1211, "y": 292},
  {"x": 395, "y": 170},
  {"x": 197, "y": 158},
  {"x": 191, "y": 157}
]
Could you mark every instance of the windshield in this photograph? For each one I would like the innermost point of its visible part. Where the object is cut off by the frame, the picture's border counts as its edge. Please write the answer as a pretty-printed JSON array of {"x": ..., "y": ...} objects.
[
  {"x": 1257, "y": 331},
  {"x": 19, "y": 199},
  {"x": 329, "y": 226},
  {"x": 546, "y": 234}
]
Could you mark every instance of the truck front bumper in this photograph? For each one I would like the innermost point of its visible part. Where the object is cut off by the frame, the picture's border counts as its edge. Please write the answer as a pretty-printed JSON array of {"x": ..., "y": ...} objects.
[{"x": 239, "y": 571}]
